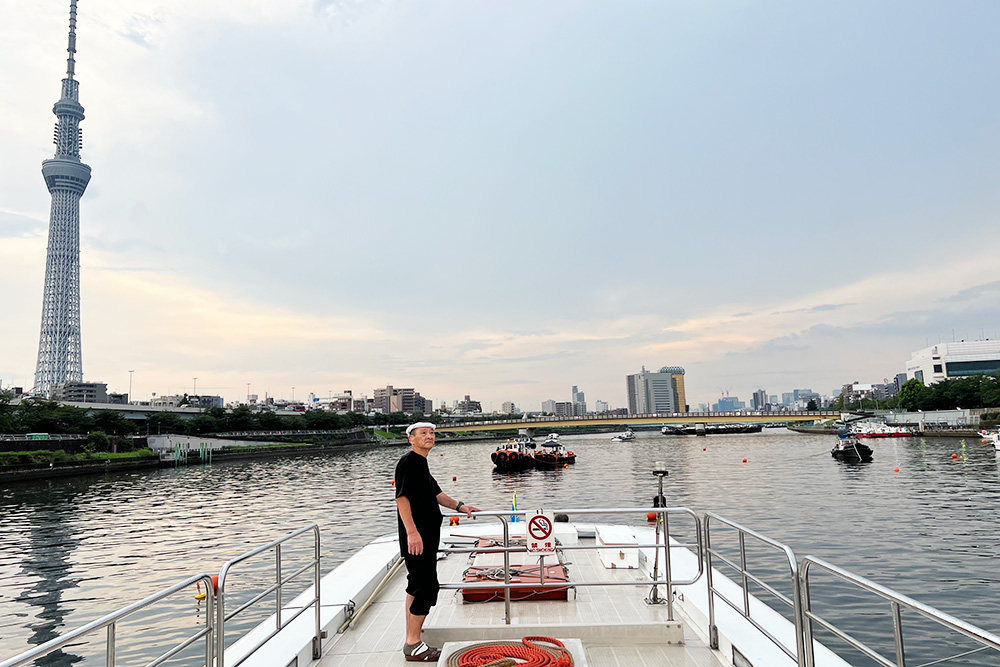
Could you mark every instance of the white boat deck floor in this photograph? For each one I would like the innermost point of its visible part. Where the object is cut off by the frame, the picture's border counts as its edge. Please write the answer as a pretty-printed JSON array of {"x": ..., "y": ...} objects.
[{"x": 617, "y": 627}]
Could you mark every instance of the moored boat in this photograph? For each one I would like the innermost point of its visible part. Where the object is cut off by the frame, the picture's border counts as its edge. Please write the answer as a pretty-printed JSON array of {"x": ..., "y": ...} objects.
[
  {"x": 553, "y": 454},
  {"x": 849, "y": 448},
  {"x": 991, "y": 437},
  {"x": 513, "y": 456},
  {"x": 869, "y": 430}
]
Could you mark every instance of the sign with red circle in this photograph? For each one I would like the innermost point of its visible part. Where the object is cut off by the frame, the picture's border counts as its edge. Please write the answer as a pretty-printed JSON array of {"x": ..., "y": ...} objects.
[{"x": 539, "y": 534}]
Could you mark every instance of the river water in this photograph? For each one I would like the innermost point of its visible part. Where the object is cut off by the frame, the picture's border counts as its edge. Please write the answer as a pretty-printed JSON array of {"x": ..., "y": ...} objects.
[{"x": 74, "y": 549}]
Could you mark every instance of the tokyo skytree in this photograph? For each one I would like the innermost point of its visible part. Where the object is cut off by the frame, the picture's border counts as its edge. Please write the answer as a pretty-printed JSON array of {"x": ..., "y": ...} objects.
[{"x": 59, "y": 356}]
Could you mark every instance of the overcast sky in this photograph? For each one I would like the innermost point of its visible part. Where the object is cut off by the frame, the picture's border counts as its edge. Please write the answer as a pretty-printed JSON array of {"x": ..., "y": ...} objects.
[{"x": 504, "y": 199}]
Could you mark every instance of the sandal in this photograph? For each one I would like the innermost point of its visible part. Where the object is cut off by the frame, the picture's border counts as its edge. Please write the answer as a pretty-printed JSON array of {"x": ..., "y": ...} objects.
[{"x": 421, "y": 653}]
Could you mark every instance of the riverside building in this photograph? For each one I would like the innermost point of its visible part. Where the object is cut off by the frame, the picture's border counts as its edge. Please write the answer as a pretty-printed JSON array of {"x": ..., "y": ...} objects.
[{"x": 949, "y": 360}]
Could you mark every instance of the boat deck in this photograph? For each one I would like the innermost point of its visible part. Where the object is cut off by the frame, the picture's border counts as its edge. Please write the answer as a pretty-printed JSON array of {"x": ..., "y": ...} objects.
[{"x": 616, "y": 627}]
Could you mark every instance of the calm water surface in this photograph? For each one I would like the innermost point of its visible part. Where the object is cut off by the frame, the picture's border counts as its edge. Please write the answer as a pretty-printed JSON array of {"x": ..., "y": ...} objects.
[{"x": 72, "y": 550}]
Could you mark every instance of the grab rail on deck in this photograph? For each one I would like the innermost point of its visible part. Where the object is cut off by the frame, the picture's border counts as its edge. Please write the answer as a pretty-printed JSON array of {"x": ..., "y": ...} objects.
[
  {"x": 663, "y": 513},
  {"x": 275, "y": 588},
  {"x": 111, "y": 620},
  {"x": 745, "y": 577},
  {"x": 897, "y": 602}
]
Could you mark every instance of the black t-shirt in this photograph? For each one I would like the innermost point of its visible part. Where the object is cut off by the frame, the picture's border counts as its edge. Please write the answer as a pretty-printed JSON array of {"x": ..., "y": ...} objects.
[{"x": 414, "y": 480}]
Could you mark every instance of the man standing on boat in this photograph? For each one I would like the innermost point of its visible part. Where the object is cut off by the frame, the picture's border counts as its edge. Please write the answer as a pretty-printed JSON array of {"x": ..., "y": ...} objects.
[{"x": 418, "y": 501}]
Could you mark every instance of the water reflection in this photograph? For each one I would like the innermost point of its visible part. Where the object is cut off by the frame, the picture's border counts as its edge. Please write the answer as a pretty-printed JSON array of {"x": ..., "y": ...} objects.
[
  {"x": 76, "y": 549},
  {"x": 45, "y": 560}
]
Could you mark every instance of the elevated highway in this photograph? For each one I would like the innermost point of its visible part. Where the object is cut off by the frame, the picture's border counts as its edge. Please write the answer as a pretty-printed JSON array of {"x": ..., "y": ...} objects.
[{"x": 737, "y": 417}]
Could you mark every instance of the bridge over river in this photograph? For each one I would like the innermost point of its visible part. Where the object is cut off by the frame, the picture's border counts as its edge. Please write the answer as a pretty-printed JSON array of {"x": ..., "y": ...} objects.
[{"x": 737, "y": 417}]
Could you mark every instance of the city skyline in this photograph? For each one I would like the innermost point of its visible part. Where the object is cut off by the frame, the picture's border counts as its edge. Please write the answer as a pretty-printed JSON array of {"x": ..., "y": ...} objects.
[{"x": 304, "y": 164}]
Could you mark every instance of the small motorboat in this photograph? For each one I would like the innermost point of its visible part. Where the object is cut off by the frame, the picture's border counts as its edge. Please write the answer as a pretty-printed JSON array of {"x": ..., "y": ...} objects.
[
  {"x": 629, "y": 434},
  {"x": 869, "y": 430},
  {"x": 553, "y": 454},
  {"x": 849, "y": 448}
]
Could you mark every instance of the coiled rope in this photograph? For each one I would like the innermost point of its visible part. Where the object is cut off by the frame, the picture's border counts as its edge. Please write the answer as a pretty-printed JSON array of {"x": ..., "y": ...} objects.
[{"x": 529, "y": 652}]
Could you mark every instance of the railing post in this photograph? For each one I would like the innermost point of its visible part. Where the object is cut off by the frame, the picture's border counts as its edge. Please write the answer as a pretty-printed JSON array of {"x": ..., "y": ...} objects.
[
  {"x": 506, "y": 570},
  {"x": 743, "y": 573},
  {"x": 713, "y": 632},
  {"x": 277, "y": 583},
  {"x": 805, "y": 609},
  {"x": 220, "y": 620},
  {"x": 209, "y": 623},
  {"x": 318, "y": 638},
  {"x": 897, "y": 628},
  {"x": 666, "y": 564},
  {"x": 109, "y": 653}
]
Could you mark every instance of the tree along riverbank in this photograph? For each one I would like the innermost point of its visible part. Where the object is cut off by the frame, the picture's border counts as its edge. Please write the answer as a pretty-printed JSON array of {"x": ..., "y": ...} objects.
[{"x": 51, "y": 464}]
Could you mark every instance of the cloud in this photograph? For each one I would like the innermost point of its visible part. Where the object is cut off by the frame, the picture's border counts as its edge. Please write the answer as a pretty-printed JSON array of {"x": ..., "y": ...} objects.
[{"x": 16, "y": 225}]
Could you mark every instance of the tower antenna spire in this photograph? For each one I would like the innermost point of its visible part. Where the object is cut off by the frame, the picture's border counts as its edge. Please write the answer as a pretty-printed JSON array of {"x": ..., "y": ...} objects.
[{"x": 71, "y": 47}]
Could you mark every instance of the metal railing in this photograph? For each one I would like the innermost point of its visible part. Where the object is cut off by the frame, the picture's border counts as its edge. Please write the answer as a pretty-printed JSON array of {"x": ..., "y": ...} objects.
[
  {"x": 745, "y": 578},
  {"x": 111, "y": 621},
  {"x": 663, "y": 514},
  {"x": 897, "y": 602},
  {"x": 276, "y": 588}
]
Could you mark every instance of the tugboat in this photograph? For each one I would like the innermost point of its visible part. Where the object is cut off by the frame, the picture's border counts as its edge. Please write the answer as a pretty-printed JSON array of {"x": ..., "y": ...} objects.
[
  {"x": 553, "y": 454},
  {"x": 850, "y": 449},
  {"x": 513, "y": 456}
]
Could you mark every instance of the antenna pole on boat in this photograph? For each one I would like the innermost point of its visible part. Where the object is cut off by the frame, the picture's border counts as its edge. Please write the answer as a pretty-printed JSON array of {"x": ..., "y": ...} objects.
[{"x": 660, "y": 470}]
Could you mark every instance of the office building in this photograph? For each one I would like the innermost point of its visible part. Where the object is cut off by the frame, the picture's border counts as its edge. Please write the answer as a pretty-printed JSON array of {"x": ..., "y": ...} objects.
[
  {"x": 950, "y": 360},
  {"x": 660, "y": 392},
  {"x": 600, "y": 406},
  {"x": 549, "y": 407},
  {"x": 759, "y": 400},
  {"x": 79, "y": 392}
]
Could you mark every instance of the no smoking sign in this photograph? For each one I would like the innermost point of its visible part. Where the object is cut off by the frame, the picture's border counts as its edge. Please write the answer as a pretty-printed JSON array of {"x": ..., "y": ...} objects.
[{"x": 540, "y": 534}]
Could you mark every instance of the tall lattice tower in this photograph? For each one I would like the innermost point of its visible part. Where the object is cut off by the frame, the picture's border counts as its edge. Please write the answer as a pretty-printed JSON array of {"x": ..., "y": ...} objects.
[{"x": 59, "y": 355}]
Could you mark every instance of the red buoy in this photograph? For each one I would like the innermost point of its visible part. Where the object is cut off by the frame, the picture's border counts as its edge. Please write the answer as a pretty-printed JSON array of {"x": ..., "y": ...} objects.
[
  {"x": 650, "y": 516},
  {"x": 454, "y": 478},
  {"x": 744, "y": 460},
  {"x": 954, "y": 456},
  {"x": 453, "y": 521},
  {"x": 895, "y": 469}
]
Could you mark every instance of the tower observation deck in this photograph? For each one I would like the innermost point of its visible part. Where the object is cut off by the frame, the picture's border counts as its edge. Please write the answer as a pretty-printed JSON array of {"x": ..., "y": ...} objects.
[{"x": 59, "y": 350}]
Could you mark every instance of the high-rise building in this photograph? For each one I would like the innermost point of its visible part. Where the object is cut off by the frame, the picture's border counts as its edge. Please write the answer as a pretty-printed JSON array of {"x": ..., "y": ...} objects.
[
  {"x": 60, "y": 359},
  {"x": 600, "y": 406},
  {"x": 549, "y": 407},
  {"x": 660, "y": 392},
  {"x": 759, "y": 400}
]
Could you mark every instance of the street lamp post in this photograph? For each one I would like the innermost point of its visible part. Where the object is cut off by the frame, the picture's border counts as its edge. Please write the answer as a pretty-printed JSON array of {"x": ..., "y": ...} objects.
[
  {"x": 130, "y": 385},
  {"x": 293, "y": 394},
  {"x": 248, "y": 393},
  {"x": 195, "y": 391}
]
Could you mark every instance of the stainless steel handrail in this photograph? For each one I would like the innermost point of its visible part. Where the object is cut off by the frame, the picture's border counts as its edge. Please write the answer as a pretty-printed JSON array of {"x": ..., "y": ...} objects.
[
  {"x": 276, "y": 588},
  {"x": 746, "y": 576},
  {"x": 668, "y": 581},
  {"x": 110, "y": 621},
  {"x": 897, "y": 602}
]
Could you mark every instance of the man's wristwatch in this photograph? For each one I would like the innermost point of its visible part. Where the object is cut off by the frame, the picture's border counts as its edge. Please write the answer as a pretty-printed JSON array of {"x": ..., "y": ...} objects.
[{"x": 458, "y": 506}]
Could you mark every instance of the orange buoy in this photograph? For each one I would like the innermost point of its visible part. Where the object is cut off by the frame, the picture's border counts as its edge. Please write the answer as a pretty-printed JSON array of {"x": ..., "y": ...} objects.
[
  {"x": 744, "y": 460},
  {"x": 954, "y": 456},
  {"x": 453, "y": 521},
  {"x": 895, "y": 469},
  {"x": 394, "y": 482},
  {"x": 565, "y": 465},
  {"x": 650, "y": 516}
]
